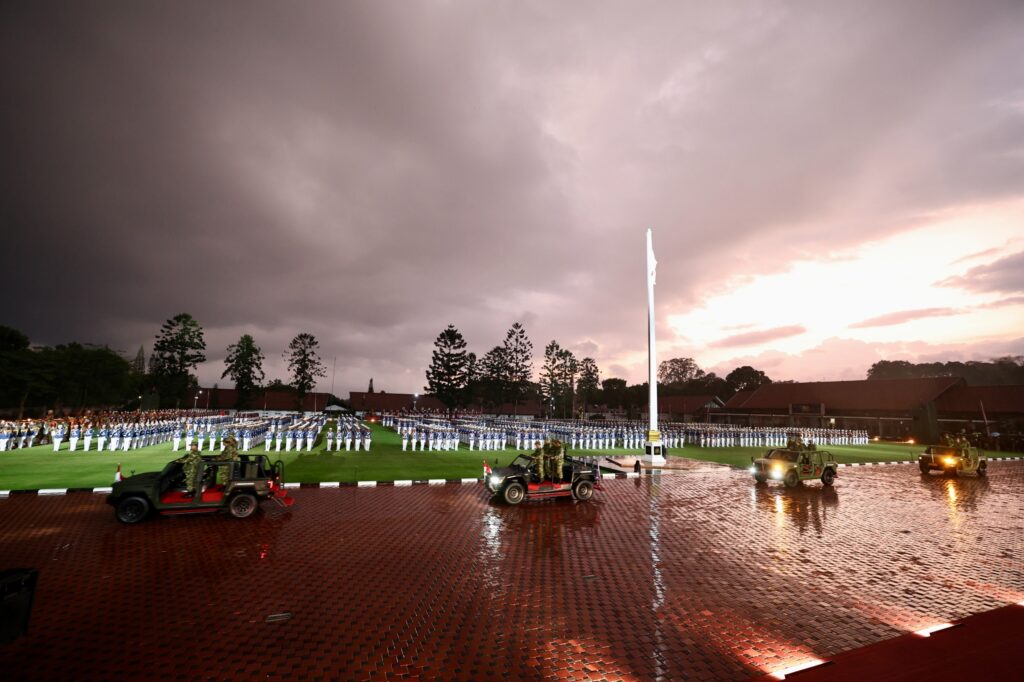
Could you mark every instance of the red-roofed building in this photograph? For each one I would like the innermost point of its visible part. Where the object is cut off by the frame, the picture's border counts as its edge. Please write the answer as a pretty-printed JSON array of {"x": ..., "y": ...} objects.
[
  {"x": 988, "y": 402},
  {"x": 688, "y": 408},
  {"x": 922, "y": 408},
  {"x": 278, "y": 400},
  {"x": 378, "y": 402}
]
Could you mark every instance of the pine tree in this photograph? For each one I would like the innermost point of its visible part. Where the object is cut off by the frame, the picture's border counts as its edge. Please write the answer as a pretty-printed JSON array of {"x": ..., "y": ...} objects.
[
  {"x": 519, "y": 359},
  {"x": 370, "y": 389},
  {"x": 304, "y": 364},
  {"x": 179, "y": 348},
  {"x": 139, "y": 363},
  {"x": 244, "y": 364},
  {"x": 447, "y": 375},
  {"x": 590, "y": 379}
]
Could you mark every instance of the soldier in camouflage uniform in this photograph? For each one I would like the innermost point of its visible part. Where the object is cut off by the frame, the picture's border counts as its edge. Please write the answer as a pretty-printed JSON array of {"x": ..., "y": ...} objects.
[
  {"x": 191, "y": 463},
  {"x": 538, "y": 459},
  {"x": 228, "y": 454},
  {"x": 557, "y": 460}
]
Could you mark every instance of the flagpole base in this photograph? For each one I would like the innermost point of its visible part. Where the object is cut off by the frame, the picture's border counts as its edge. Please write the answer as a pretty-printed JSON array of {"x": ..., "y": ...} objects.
[{"x": 654, "y": 453}]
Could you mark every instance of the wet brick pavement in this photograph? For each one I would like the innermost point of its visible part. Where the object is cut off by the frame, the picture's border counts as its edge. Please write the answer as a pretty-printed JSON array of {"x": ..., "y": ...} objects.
[{"x": 692, "y": 575}]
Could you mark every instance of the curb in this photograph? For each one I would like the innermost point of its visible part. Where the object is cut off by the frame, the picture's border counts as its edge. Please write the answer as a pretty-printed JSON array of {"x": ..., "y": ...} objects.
[{"x": 404, "y": 483}]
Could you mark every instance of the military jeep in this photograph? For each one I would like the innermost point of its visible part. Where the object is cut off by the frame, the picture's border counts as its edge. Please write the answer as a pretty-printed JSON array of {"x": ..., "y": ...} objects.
[
  {"x": 794, "y": 466},
  {"x": 519, "y": 481},
  {"x": 953, "y": 460},
  {"x": 237, "y": 486}
]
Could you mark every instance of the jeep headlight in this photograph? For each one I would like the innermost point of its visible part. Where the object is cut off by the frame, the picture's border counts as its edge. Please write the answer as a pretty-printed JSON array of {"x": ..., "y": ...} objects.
[
  {"x": 950, "y": 461},
  {"x": 777, "y": 471},
  {"x": 495, "y": 481},
  {"x": 752, "y": 469}
]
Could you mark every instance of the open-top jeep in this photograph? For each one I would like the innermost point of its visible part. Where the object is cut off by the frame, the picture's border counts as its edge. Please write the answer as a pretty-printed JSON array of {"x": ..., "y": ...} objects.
[
  {"x": 793, "y": 466},
  {"x": 519, "y": 480},
  {"x": 953, "y": 460},
  {"x": 235, "y": 485}
]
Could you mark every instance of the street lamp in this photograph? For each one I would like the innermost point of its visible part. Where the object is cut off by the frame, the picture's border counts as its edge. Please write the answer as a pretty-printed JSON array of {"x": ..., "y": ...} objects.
[
  {"x": 195, "y": 402},
  {"x": 415, "y": 396}
]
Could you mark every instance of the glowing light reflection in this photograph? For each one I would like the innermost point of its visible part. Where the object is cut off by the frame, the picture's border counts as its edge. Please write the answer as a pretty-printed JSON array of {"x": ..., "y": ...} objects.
[
  {"x": 927, "y": 632},
  {"x": 812, "y": 663}
]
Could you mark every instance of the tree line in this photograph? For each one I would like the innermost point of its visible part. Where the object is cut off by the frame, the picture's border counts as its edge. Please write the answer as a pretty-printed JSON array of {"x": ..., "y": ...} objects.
[
  {"x": 1002, "y": 371},
  {"x": 79, "y": 376},
  {"x": 567, "y": 386}
]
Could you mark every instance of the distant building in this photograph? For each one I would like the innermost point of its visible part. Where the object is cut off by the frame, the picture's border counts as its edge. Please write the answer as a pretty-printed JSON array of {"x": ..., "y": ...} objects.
[
  {"x": 364, "y": 401},
  {"x": 898, "y": 408},
  {"x": 689, "y": 408},
  {"x": 275, "y": 399}
]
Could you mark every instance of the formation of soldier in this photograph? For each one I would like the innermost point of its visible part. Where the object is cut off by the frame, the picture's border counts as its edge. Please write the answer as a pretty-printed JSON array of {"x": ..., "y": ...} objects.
[
  {"x": 349, "y": 434},
  {"x": 498, "y": 434},
  {"x": 113, "y": 431}
]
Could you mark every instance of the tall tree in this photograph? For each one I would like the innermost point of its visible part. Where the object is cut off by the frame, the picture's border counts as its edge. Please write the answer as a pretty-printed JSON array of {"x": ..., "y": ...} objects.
[
  {"x": 244, "y": 365},
  {"x": 519, "y": 361},
  {"x": 550, "y": 376},
  {"x": 678, "y": 371},
  {"x": 179, "y": 348},
  {"x": 473, "y": 376},
  {"x": 745, "y": 378},
  {"x": 494, "y": 376},
  {"x": 447, "y": 374},
  {"x": 568, "y": 368},
  {"x": 370, "y": 388},
  {"x": 304, "y": 364},
  {"x": 614, "y": 390},
  {"x": 590, "y": 377},
  {"x": 139, "y": 363}
]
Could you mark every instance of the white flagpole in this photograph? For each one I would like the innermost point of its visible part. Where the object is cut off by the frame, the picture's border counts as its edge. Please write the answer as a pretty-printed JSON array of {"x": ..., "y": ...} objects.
[{"x": 653, "y": 451}]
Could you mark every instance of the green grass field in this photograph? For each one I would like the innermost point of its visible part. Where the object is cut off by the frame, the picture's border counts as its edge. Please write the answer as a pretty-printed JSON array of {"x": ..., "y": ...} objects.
[{"x": 41, "y": 467}]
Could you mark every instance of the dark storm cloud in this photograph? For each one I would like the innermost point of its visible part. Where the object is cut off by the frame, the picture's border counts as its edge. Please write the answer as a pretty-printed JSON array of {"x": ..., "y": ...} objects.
[
  {"x": 1005, "y": 275},
  {"x": 369, "y": 172},
  {"x": 902, "y": 316},
  {"x": 758, "y": 337}
]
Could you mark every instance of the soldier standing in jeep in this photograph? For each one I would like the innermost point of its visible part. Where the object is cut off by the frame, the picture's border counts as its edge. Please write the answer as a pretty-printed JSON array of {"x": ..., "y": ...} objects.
[{"x": 191, "y": 462}]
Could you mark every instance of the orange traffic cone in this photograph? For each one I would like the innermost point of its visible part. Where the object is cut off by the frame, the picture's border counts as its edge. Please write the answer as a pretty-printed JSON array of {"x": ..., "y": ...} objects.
[{"x": 117, "y": 474}]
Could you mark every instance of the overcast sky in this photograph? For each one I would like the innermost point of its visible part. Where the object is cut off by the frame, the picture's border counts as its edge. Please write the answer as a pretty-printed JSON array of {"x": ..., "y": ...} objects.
[{"x": 828, "y": 184}]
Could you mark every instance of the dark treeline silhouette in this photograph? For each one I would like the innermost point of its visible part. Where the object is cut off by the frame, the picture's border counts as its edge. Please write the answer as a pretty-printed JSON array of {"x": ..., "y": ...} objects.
[{"x": 1004, "y": 371}]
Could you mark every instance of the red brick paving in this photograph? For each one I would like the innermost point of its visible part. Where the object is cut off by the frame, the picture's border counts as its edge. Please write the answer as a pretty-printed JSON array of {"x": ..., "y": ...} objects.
[{"x": 692, "y": 575}]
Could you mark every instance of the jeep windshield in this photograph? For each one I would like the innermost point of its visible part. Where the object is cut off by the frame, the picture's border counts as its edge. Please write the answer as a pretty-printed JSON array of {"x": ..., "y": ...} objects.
[
  {"x": 947, "y": 451},
  {"x": 783, "y": 455},
  {"x": 523, "y": 462}
]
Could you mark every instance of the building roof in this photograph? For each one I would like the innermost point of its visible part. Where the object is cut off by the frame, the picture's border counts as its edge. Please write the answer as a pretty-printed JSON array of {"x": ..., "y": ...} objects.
[
  {"x": 970, "y": 399},
  {"x": 738, "y": 399},
  {"x": 868, "y": 395},
  {"x": 687, "y": 404},
  {"x": 392, "y": 402},
  {"x": 260, "y": 399}
]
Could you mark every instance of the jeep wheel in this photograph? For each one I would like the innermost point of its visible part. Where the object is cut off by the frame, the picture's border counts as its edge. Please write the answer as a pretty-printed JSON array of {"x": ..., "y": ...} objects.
[
  {"x": 792, "y": 478},
  {"x": 132, "y": 509},
  {"x": 514, "y": 492},
  {"x": 923, "y": 466},
  {"x": 828, "y": 477},
  {"x": 982, "y": 468},
  {"x": 760, "y": 478},
  {"x": 583, "y": 491},
  {"x": 242, "y": 505}
]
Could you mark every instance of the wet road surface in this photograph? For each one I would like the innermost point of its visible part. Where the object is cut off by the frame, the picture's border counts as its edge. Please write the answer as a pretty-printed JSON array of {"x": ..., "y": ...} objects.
[{"x": 697, "y": 574}]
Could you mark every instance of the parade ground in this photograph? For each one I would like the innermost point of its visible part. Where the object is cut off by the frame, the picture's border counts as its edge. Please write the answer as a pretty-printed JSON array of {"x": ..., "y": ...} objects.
[
  {"x": 694, "y": 574},
  {"x": 41, "y": 467}
]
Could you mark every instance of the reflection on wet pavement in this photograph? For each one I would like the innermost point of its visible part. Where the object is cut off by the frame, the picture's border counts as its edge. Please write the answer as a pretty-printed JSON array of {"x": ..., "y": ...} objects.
[{"x": 699, "y": 573}]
